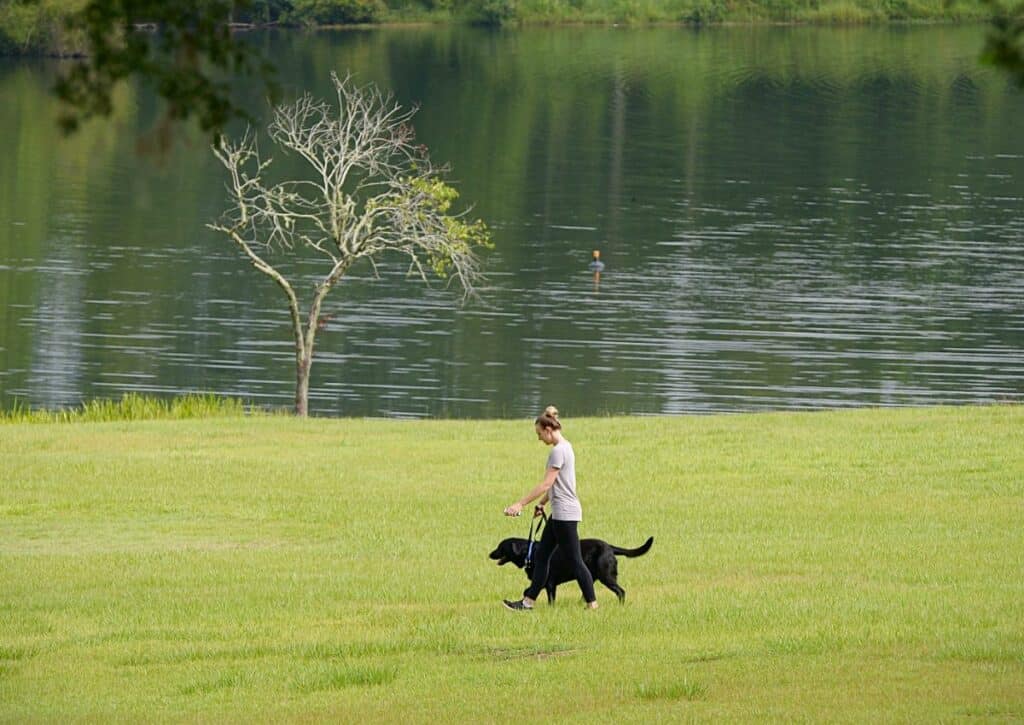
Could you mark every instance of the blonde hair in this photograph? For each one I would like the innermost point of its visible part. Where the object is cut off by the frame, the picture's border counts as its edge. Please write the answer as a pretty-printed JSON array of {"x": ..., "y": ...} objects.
[{"x": 549, "y": 418}]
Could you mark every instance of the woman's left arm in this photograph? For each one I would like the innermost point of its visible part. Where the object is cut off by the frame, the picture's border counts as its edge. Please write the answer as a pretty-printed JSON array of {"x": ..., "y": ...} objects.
[{"x": 539, "y": 490}]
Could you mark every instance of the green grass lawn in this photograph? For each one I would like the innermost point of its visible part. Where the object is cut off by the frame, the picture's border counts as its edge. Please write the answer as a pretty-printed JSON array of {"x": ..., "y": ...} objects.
[{"x": 849, "y": 566}]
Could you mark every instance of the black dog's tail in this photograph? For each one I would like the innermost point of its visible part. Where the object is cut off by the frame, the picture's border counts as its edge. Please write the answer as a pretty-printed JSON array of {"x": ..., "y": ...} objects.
[{"x": 634, "y": 552}]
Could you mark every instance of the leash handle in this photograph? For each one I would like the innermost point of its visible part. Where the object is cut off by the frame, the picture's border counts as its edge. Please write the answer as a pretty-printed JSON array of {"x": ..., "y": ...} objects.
[
  {"x": 529, "y": 549},
  {"x": 533, "y": 520}
]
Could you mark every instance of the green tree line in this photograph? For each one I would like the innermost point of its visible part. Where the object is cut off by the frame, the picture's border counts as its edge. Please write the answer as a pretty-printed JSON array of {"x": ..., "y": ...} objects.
[{"x": 37, "y": 27}]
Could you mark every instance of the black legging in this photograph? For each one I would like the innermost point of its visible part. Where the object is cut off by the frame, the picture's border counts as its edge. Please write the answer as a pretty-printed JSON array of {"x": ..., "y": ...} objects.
[{"x": 561, "y": 535}]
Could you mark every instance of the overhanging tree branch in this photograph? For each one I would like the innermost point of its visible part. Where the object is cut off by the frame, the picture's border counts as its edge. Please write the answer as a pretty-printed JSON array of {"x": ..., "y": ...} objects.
[
  {"x": 186, "y": 49},
  {"x": 1004, "y": 42}
]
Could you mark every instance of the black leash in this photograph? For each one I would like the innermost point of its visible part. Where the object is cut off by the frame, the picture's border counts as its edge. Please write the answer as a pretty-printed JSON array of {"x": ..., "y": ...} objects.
[{"x": 529, "y": 549}]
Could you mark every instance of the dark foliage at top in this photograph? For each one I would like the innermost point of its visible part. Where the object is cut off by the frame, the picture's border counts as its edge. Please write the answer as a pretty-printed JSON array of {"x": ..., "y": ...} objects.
[
  {"x": 1004, "y": 45},
  {"x": 187, "y": 50}
]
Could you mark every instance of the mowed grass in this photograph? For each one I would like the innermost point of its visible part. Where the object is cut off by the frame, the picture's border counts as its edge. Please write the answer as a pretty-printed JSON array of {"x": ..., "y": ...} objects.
[{"x": 848, "y": 566}]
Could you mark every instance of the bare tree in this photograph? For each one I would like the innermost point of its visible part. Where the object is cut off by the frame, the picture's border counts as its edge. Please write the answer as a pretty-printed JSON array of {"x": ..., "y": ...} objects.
[{"x": 369, "y": 190}]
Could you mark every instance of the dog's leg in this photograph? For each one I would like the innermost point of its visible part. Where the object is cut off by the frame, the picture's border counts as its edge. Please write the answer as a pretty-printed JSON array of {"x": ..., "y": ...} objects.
[
  {"x": 614, "y": 586},
  {"x": 551, "y": 592},
  {"x": 610, "y": 578}
]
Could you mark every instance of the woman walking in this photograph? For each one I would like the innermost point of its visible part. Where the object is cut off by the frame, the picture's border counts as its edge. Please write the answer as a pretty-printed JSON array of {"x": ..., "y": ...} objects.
[{"x": 558, "y": 486}]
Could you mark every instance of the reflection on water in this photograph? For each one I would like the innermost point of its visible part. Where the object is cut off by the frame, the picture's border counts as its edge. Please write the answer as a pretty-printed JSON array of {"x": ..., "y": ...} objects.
[{"x": 790, "y": 218}]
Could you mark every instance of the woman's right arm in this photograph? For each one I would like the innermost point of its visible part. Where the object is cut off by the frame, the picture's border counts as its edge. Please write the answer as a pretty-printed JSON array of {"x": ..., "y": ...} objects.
[{"x": 541, "y": 489}]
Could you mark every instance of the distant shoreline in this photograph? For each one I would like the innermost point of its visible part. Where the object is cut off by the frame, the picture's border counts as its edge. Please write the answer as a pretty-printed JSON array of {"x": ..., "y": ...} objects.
[{"x": 29, "y": 32}]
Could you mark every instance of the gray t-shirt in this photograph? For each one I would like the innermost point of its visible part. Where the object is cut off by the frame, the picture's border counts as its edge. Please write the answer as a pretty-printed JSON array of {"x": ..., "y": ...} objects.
[{"x": 564, "y": 504}]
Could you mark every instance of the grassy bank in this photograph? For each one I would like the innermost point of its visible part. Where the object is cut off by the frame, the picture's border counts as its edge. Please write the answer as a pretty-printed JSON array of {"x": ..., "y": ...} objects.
[
  {"x": 132, "y": 406},
  {"x": 830, "y": 12},
  {"x": 847, "y": 566},
  {"x": 39, "y": 28}
]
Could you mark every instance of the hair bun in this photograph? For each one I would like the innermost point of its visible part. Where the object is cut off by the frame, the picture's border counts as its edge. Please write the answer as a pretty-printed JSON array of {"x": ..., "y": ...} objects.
[{"x": 551, "y": 411}]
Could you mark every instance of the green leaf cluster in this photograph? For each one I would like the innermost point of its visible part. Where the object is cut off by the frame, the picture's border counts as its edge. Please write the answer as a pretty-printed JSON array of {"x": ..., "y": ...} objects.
[{"x": 436, "y": 197}]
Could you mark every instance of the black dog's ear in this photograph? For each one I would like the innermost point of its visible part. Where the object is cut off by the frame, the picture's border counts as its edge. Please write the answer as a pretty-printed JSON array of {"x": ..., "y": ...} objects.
[{"x": 519, "y": 549}]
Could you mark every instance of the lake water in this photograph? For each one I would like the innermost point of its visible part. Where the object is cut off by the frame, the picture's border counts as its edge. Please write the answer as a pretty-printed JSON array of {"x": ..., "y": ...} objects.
[{"x": 791, "y": 218}]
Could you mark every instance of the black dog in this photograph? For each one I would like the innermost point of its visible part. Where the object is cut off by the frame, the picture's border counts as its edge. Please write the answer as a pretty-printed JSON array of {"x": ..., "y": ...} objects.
[{"x": 599, "y": 556}]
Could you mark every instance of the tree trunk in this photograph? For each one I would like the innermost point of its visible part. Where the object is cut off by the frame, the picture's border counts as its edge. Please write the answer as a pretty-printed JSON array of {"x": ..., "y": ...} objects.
[
  {"x": 302, "y": 367},
  {"x": 304, "y": 342}
]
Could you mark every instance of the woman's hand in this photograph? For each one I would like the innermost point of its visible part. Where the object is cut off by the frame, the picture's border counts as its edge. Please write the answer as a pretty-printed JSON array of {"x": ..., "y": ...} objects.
[
  {"x": 514, "y": 510},
  {"x": 538, "y": 510}
]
